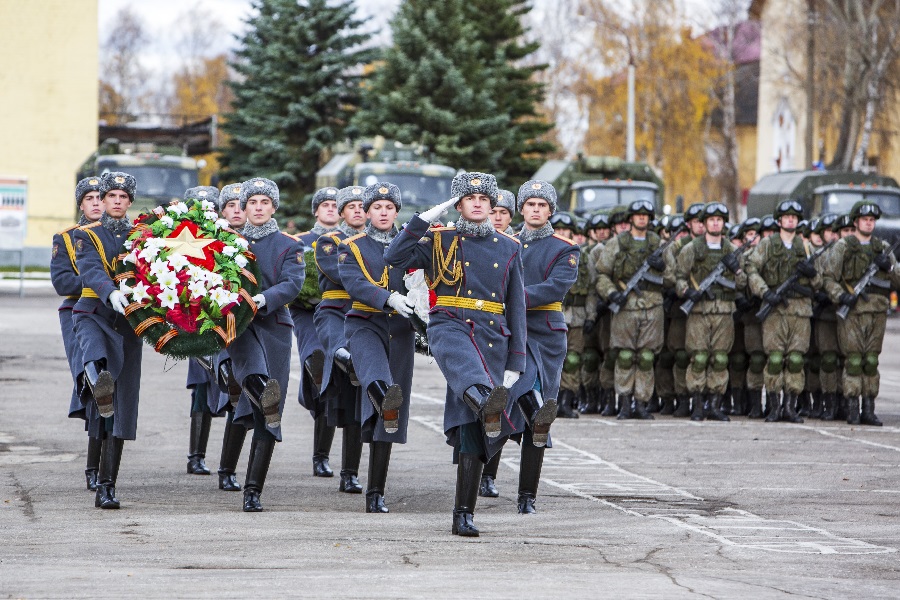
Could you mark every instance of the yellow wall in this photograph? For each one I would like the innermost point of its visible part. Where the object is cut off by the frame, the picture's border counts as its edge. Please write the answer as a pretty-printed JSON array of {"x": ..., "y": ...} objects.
[
  {"x": 746, "y": 137},
  {"x": 48, "y": 104}
]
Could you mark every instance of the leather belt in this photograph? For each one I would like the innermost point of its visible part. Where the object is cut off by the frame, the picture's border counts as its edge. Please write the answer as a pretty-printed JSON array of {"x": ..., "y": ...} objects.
[
  {"x": 552, "y": 306},
  {"x": 366, "y": 308},
  {"x": 470, "y": 303},
  {"x": 336, "y": 295}
]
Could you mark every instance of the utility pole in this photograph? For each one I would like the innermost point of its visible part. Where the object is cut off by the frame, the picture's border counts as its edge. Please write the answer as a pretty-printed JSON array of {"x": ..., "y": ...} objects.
[
  {"x": 810, "y": 80},
  {"x": 629, "y": 138}
]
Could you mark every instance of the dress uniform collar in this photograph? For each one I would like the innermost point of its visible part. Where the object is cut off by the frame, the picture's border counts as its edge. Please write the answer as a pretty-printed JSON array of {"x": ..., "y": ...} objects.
[
  {"x": 385, "y": 237},
  {"x": 346, "y": 229},
  {"x": 530, "y": 235},
  {"x": 320, "y": 229},
  {"x": 83, "y": 220},
  {"x": 255, "y": 232},
  {"x": 116, "y": 225},
  {"x": 482, "y": 229}
]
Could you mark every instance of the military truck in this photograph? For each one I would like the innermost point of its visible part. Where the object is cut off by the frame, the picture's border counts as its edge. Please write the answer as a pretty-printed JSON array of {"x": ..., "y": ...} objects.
[
  {"x": 591, "y": 184},
  {"x": 422, "y": 182},
  {"x": 160, "y": 177}
]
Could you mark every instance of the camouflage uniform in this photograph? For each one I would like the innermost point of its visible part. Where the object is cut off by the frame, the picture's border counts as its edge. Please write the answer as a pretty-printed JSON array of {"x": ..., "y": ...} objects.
[
  {"x": 861, "y": 334},
  {"x": 576, "y": 311}
]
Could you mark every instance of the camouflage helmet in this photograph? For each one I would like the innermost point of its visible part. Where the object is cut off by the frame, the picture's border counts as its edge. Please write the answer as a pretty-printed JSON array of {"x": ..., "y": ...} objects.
[
  {"x": 824, "y": 222},
  {"x": 788, "y": 207},
  {"x": 865, "y": 208},
  {"x": 812, "y": 226},
  {"x": 842, "y": 222},
  {"x": 563, "y": 220},
  {"x": 803, "y": 227},
  {"x": 675, "y": 224},
  {"x": 735, "y": 232},
  {"x": 694, "y": 211},
  {"x": 714, "y": 209},
  {"x": 769, "y": 223},
  {"x": 618, "y": 214},
  {"x": 598, "y": 221},
  {"x": 641, "y": 207},
  {"x": 582, "y": 225}
]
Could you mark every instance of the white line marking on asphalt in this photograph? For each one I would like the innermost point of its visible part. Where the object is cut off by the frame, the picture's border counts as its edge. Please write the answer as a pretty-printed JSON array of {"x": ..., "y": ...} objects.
[
  {"x": 847, "y": 438},
  {"x": 588, "y": 476}
]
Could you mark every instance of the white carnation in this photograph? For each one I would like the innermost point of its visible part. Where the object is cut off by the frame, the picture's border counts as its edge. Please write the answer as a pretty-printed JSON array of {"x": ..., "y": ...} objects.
[{"x": 240, "y": 261}]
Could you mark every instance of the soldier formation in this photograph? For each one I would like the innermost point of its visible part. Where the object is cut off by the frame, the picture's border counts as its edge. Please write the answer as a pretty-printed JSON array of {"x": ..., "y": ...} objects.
[{"x": 620, "y": 315}]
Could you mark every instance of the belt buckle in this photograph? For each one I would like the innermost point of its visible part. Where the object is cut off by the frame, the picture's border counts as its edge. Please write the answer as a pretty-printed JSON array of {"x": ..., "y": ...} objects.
[{"x": 479, "y": 304}]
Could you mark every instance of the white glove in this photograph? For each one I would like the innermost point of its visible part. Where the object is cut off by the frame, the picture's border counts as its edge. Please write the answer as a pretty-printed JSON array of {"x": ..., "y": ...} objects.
[
  {"x": 260, "y": 300},
  {"x": 510, "y": 378},
  {"x": 400, "y": 303},
  {"x": 432, "y": 214},
  {"x": 117, "y": 301}
]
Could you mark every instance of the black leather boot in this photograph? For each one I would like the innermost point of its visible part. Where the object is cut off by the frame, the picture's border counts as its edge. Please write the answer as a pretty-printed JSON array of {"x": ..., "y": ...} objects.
[
  {"x": 829, "y": 406},
  {"x": 593, "y": 401},
  {"x": 110, "y": 459},
  {"x": 804, "y": 403},
  {"x": 344, "y": 362},
  {"x": 102, "y": 386},
  {"x": 711, "y": 409},
  {"x": 683, "y": 408},
  {"x": 531, "y": 461},
  {"x": 227, "y": 381},
  {"x": 852, "y": 410},
  {"x": 351, "y": 452},
  {"x": 789, "y": 412},
  {"x": 92, "y": 466},
  {"x": 754, "y": 399},
  {"x": 379, "y": 459},
  {"x": 265, "y": 393},
  {"x": 773, "y": 405},
  {"x": 641, "y": 410},
  {"x": 323, "y": 436},
  {"x": 539, "y": 414},
  {"x": 610, "y": 409},
  {"x": 487, "y": 488},
  {"x": 653, "y": 406},
  {"x": 738, "y": 401},
  {"x": 698, "y": 406},
  {"x": 315, "y": 367},
  {"x": 261, "y": 450},
  {"x": 626, "y": 405},
  {"x": 200, "y": 422},
  {"x": 488, "y": 404},
  {"x": 565, "y": 405},
  {"x": 841, "y": 412},
  {"x": 868, "y": 416},
  {"x": 232, "y": 444},
  {"x": 815, "y": 411},
  {"x": 579, "y": 404},
  {"x": 668, "y": 406},
  {"x": 387, "y": 401},
  {"x": 468, "y": 477}
]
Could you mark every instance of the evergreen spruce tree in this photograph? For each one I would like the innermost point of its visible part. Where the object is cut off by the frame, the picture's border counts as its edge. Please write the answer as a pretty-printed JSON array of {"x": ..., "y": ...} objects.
[
  {"x": 300, "y": 66},
  {"x": 449, "y": 83}
]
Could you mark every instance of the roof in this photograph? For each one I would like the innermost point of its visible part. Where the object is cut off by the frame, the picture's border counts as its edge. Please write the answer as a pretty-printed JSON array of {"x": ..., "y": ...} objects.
[{"x": 746, "y": 46}]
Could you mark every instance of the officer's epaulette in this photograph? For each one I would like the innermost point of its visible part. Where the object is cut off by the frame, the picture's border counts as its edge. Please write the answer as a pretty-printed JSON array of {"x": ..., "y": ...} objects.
[
  {"x": 296, "y": 238},
  {"x": 68, "y": 229},
  {"x": 513, "y": 238},
  {"x": 302, "y": 233},
  {"x": 333, "y": 235},
  {"x": 355, "y": 237},
  {"x": 565, "y": 239},
  {"x": 441, "y": 228},
  {"x": 90, "y": 225}
]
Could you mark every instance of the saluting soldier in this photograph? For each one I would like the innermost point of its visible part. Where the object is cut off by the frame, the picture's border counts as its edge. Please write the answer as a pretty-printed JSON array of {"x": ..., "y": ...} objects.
[
  {"x": 710, "y": 326},
  {"x": 502, "y": 214},
  {"x": 637, "y": 329},
  {"x": 861, "y": 333},
  {"x": 67, "y": 283},
  {"x": 312, "y": 355},
  {"x": 380, "y": 337},
  {"x": 111, "y": 351},
  {"x": 786, "y": 331},
  {"x": 340, "y": 393},
  {"x": 550, "y": 263},
  {"x": 261, "y": 355},
  {"x": 476, "y": 329},
  {"x": 598, "y": 231}
]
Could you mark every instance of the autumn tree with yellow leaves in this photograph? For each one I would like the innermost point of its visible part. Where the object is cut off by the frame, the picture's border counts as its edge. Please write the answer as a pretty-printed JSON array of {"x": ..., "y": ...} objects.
[{"x": 675, "y": 75}]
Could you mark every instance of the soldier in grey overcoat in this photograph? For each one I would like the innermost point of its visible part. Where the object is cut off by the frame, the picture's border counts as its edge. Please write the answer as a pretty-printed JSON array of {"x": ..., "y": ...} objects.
[
  {"x": 339, "y": 392},
  {"x": 379, "y": 335},
  {"x": 111, "y": 352},
  {"x": 67, "y": 283},
  {"x": 261, "y": 355},
  {"x": 312, "y": 355},
  {"x": 476, "y": 329}
]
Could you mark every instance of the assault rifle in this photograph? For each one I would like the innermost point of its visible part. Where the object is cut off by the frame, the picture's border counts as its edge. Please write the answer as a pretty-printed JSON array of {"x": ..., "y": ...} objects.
[
  {"x": 714, "y": 277},
  {"x": 642, "y": 274},
  {"x": 789, "y": 284},
  {"x": 868, "y": 279}
]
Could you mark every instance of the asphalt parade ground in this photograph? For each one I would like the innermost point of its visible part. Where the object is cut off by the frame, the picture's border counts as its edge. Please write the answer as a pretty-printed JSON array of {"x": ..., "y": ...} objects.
[{"x": 661, "y": 509}]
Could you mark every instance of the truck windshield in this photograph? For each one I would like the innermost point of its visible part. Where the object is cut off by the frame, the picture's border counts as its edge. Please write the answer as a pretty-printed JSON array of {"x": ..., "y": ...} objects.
[
  {"x": 160, "y": 181},
  {"x": 591, "y": 199},
  {"x": 414, "y": 188},
  {"x": 841, "y": 201}
]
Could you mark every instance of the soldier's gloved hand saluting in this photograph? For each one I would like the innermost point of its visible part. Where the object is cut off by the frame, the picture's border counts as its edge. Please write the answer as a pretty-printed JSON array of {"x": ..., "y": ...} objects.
[
  {"x": 401, "y": 304},
  {"x": 433, "y": 214},
  {"x": 117, "y": 301}
]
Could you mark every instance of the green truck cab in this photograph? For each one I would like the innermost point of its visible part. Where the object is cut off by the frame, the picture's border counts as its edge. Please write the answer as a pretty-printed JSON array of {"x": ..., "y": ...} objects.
[
  {"x": 160, "y": 177},
  {"x": 422, "y": 182},
  {"x": 593, "y": 184}
]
